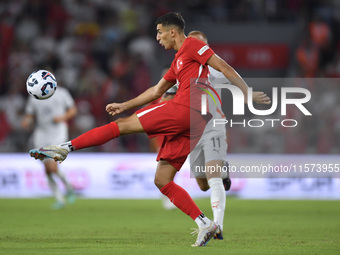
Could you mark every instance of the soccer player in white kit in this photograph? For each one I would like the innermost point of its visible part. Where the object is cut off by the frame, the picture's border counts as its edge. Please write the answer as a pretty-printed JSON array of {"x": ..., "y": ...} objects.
[
  {"x": 50, "y": 117},
  {"x": 211, "y": 150}
]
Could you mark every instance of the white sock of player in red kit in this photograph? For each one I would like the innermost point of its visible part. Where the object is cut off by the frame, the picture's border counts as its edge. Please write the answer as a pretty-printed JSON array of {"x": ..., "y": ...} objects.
[
  {"x": 67, "y": 146},
  {"x": 202, "y": 221},
  {"x": 217, "y": 199}
]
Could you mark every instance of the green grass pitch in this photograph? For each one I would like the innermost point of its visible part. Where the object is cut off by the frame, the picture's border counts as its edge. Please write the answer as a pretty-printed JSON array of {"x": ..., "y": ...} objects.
[{"x": 29, "y": 226}]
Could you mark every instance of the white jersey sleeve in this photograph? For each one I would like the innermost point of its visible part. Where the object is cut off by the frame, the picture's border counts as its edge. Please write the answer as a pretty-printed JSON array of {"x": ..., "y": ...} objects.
[
  {"x": 216, "y": 77},
  {"x": 69, "y": 102}
]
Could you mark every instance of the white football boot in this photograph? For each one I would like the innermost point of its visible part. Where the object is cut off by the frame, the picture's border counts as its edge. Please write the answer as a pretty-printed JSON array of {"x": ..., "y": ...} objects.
[
  {"x": 205, "y": 234},
  {"x": 53, "y": 151}
]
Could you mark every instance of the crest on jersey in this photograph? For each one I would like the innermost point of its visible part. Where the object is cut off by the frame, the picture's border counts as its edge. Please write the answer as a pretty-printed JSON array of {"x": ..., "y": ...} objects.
[{"x": 179, "y": 64}]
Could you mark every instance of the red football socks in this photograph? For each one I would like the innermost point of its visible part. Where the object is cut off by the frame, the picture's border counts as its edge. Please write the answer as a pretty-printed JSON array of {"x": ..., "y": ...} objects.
[
  {"x": 96, "y": 136},
  {"x": 180, "y": 198}
]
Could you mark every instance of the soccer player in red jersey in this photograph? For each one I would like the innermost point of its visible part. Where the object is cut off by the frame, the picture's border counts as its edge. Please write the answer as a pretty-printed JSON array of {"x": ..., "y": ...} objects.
[
  {"x": 178, "y": 120},
  {"x": 208, "y": 158}
]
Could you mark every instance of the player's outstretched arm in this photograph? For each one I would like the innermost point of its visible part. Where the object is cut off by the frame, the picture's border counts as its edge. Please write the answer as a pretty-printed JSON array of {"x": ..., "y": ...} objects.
[
  {"x": 260, "y": 98},
  {"x": 147, "y": 96},
  {"x": 220, "y": 65}
]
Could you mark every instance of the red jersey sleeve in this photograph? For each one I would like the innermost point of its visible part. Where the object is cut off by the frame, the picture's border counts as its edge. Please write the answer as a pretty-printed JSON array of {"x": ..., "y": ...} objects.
[
  {"x": 170, "y": 75},
  {"x": 199, "y": 50}
]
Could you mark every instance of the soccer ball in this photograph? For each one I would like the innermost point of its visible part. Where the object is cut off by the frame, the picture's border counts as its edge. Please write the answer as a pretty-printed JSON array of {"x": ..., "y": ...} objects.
[{"x": 41, "y": 84}]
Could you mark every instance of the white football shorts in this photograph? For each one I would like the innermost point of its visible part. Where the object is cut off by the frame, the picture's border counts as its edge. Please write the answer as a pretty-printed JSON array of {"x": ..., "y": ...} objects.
[
  {"x": 212, "y": 146},
  {"x": 43, "y": 138}
]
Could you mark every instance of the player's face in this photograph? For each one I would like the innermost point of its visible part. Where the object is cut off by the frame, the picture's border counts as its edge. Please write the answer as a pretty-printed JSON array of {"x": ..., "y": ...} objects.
[{"x": 164, "y": 37}]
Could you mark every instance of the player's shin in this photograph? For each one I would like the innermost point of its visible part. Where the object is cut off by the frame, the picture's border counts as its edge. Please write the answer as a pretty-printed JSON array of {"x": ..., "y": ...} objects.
[
  {"x": 63, "y": 178},
  {"x": 54, "y": 188},
  {"x": 96, "y": 136},
  {"x": 180, "y": 198}
]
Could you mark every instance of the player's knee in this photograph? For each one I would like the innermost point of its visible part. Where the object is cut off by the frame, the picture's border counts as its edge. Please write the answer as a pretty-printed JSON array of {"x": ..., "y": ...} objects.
[
  {"x": 51, "y": 167},
  {"x": 161, "y": 182},
  {"x": 202, "y": 183},
  {"x": 48, "y": 171},
  {"x": 129, "y": 125},
  {"x": 120, "y": 124}
]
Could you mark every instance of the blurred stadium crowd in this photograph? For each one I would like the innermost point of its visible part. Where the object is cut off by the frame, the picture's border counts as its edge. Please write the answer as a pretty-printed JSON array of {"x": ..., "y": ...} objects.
[{"x": 105, "y": 51}]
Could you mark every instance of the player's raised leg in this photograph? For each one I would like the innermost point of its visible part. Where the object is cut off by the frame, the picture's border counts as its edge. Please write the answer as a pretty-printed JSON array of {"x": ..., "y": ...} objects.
[
  {"x": 164, "y": 177},
  {"x": 93, "y": 137}
]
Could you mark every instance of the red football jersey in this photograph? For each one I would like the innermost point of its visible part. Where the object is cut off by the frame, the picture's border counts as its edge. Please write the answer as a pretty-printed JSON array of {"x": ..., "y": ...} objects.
[{"x": 188, "y": 65}]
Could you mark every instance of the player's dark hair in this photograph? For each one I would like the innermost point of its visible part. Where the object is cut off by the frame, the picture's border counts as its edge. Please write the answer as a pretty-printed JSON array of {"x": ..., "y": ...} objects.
[{"x": 172, "y": 18}]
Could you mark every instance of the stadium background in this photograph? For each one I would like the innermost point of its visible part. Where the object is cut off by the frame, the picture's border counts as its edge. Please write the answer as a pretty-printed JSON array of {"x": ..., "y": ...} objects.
[{"x": 105, "y": 51}]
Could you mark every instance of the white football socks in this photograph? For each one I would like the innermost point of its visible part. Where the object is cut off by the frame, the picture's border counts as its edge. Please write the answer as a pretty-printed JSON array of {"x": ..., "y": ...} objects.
[
  {"x": 67, "y": 146},
  {"x": 217, "y": 199},
  {"x": 202, "y": 221}
]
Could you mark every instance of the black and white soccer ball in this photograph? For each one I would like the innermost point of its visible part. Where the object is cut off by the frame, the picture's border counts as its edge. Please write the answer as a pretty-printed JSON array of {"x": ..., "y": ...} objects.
[{"x": 41, "y": 84}]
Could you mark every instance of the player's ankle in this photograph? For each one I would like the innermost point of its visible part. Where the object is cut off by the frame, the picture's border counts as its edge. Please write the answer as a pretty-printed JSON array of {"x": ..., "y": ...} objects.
[
  {"x": 67, "y": 146},
  {"x": 202, "y": 221}
]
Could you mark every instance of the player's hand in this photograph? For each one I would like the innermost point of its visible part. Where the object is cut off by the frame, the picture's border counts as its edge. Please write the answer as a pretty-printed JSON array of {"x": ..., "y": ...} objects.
[
  {"x": 260, "y": 98},
  {"x": 115, "y": 109},
  {"x": 25, "y": 123},
  {"x": 58, "y": 119}
]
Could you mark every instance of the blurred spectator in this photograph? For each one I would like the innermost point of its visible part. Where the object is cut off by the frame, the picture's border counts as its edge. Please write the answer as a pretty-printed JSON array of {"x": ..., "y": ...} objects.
[
  {"x": 6, "y": 39},
  {"x": 20, "y": 63},
  {"x": 333, "y": 69},
  {"x": 321, "y": 36},
  {"x": 83, "y": 121},
  {"x": 13, "y": 105},
  {"x": 307, "y": 56},
  {"x": 27, "y": 29},
  {"x": 145, "y": 47},
  {"x": 43, "y": 48},
  {"x": 320, "y": 32}
]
